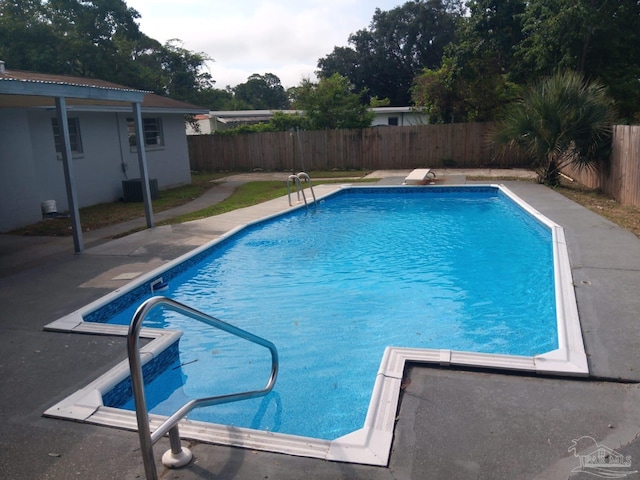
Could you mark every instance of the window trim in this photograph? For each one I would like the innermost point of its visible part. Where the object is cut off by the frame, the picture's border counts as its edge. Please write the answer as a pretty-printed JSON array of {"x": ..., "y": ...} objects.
[
  {"x": 149, "y": 125},
  {"x": 75, "y": 137}
]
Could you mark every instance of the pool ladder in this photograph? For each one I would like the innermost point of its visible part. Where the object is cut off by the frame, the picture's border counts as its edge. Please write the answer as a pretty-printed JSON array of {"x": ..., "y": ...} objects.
[
  {"x": 297, "y": 180},
  {"x": 178, "y": 456}
]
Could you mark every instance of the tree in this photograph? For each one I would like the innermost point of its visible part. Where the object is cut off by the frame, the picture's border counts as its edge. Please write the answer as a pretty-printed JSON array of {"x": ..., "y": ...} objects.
[
  {"x": 182, "y": 71},
  {"x": 27, "y": 42},
  {"x": 85, "y": 32},
  {"x": 97, "y": 38},
  {"x": 561, "y": 120},
  {"x": 600, "y": 39},
  {"x": 489, "y": 33},
  {"x": 473, "y": 81},
  {"x": 331, "y": 103},
  {"x": 399, "y": 43},
  {"x": 346, "y": 62},
  {"x": 449, "y": 94},
  {"x": 262, "y": 92},
  {"x": 100, "y": 39},
  {"x": 214, "y": 99},
  {"x": 436, "y": 92}
]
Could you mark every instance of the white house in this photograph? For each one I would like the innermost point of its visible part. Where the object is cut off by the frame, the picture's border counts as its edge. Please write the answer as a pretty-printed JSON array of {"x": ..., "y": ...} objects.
[
  {"x": 399, "y": 116},
  {"x": 223, "y": 120},
  {"x": 102, "y": 121}
]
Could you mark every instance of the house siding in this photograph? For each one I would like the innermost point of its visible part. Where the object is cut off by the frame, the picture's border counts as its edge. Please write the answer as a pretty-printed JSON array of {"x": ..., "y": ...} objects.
[
  {"x": 170, "y": 163},
  {"x": 16, "y": 158},
  {"x": 32, "y": 172},
  {"x": 404, "y": 119}
]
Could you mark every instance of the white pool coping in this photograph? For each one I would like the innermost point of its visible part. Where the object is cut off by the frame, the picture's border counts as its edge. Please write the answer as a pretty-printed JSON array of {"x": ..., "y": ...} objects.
[{"x": 370, "y": 445}]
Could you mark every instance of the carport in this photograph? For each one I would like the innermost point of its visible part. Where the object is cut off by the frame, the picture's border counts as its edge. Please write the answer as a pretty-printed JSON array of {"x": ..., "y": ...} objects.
[{"x": 31, "y": 90}]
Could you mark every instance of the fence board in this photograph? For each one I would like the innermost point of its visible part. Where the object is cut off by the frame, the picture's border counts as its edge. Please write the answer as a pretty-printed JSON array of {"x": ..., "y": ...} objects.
[
  {"x": 461, "y": 145},
  {"x": 453, "y": 145},
  {"x": 621, "y": 180}
]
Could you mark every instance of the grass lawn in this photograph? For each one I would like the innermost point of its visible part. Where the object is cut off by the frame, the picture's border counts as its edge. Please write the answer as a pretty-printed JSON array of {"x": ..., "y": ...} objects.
[
  {"x": 105, "y": 214},
  {"x": 254, "y": 192}
]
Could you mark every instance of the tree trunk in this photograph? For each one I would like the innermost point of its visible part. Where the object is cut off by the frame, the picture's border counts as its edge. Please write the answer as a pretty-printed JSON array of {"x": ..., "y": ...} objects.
[{"x": 549, "y": 173}]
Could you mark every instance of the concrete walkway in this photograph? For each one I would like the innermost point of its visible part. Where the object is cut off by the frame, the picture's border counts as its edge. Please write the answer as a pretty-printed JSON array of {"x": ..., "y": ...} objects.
[{"x": 451, "y": 423}]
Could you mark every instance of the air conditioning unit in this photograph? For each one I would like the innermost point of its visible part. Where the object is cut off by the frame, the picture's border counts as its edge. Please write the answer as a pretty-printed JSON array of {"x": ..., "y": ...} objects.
[{"x": 132, "y": 189}]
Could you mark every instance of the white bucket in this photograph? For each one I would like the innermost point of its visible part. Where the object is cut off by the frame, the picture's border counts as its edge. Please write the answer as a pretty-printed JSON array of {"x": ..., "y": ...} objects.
[{"x": 48, "y": 207}]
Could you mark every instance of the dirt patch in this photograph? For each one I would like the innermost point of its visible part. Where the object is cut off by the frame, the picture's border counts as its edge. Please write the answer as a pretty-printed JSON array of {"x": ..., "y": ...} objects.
[{"x": 626, "y": 216}]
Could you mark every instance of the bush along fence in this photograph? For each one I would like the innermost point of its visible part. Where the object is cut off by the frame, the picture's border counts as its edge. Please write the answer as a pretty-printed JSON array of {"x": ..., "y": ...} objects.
[
  {"x": 621, "y": 180},
  {"x": 458, "y": 145}
]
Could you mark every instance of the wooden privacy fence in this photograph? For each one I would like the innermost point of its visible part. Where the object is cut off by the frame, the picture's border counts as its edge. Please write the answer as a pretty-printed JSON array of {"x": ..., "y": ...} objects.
[
  {"x": 621, "y": 180},
  {"x": 458, "y": 145}
]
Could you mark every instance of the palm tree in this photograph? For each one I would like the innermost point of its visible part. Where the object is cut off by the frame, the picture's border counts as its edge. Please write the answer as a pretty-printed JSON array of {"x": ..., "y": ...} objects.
[{"x": 561, "y": 120}]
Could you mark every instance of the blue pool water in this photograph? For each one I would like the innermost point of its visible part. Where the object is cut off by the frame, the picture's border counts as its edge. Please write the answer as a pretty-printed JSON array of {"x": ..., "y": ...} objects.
[{"x": 429, "y": 268}]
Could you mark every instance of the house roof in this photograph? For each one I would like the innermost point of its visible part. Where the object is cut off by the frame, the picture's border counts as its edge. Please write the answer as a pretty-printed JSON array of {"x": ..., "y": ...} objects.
[
  {"x": 246, "y": 116},
  {"x": 267, "y": 113},
  {"x": 395, "y": 110},
  {"x": 23, "y": 89},
  {"x": 249, "y": 113},
  {"x": 34, "y": 77}
]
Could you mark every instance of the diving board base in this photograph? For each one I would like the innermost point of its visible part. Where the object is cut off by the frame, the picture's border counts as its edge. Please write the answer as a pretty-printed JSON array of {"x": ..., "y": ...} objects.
[{"x": 420, "y": 176}]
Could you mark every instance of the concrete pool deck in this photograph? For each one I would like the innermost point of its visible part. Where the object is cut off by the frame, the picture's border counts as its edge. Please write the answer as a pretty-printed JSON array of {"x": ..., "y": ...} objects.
[{"x": 451, "y": 424}]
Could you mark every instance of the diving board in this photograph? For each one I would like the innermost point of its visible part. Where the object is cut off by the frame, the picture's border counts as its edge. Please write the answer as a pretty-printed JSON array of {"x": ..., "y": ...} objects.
[{"x": 420, "y": 176}]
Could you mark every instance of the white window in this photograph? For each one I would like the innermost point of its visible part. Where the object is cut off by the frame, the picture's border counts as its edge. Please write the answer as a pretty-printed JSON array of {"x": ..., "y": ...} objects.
[
  {"x": 75, "y": 141},
  {"x": 151, "y": 129}
]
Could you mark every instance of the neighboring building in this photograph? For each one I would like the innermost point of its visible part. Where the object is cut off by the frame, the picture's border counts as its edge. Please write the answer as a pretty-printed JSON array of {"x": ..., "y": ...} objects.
[
  {"x": 101, "y": 135},
  {"x": 399, "y": 117},
  {"x": 203, "y": 125},
  {"x": 223, "y": 120},
  {"x": 227, "y": 119}
]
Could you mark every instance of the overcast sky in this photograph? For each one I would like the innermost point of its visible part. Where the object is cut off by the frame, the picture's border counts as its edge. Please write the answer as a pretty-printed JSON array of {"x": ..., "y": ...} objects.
[{"x": 283, "y": 37}]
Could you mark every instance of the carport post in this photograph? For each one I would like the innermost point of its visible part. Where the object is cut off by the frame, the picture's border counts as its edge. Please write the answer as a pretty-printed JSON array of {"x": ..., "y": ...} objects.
[
  {"x": 69, "y": 177},
  {"x": 142, "y": 163}
]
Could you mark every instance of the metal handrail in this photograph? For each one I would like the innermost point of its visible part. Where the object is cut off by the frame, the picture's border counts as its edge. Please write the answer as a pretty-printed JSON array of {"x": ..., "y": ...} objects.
[
  {"x": 170, "y": 425},
  {"x": 304, "y": 176},
  {"x": 296, "y": 180}
]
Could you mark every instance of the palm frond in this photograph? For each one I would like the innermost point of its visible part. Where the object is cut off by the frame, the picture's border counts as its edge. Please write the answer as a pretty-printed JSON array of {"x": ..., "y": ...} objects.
[{"x": 561, "y": 120}]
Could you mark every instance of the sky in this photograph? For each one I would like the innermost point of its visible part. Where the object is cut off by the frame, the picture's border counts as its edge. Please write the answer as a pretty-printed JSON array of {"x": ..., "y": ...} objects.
[{"x": 243, "y": 37}]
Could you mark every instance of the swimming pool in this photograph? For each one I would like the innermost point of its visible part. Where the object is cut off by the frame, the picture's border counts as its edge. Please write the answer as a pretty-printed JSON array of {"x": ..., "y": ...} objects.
[{"x": 557, "y": 355}]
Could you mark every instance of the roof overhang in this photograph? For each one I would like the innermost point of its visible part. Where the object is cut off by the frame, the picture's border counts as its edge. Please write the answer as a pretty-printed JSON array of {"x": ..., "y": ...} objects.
[
  {"x": 417, "y": 110},
  {"x": 254, "y": 119},
  {"x": 36, "y": 90},
  {"x": 25, "y": 93},
  {"x": 84, "y": 105},
  {"x": 90, "y": 99}
]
